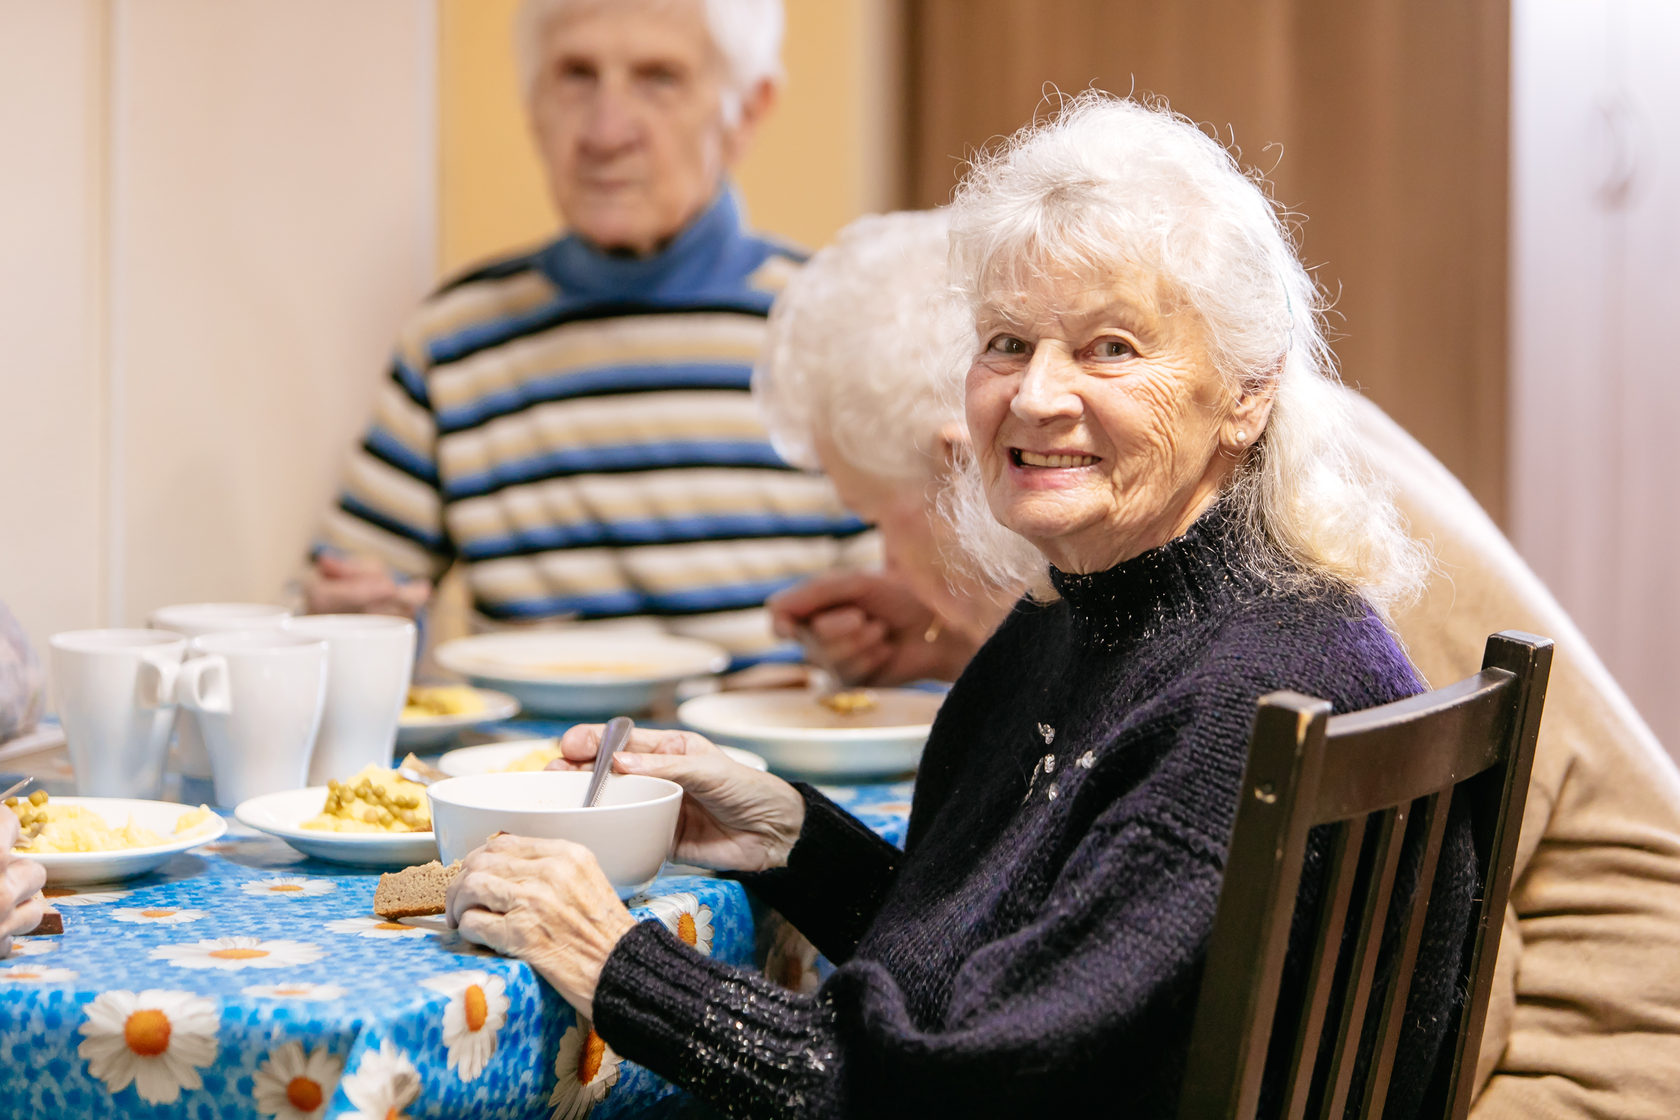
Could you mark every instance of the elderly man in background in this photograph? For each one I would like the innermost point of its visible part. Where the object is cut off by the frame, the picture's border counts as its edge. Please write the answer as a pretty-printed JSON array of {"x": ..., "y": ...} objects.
[{"x": 573, "y": 425}]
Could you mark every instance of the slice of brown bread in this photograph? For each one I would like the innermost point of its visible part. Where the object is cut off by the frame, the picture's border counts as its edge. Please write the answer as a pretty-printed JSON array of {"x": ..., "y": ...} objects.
[{"x": 413, "y": 891}]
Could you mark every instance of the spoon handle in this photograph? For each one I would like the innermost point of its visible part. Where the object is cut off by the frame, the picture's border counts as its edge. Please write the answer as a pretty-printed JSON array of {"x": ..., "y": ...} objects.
[{"x": 617, "y": 731}]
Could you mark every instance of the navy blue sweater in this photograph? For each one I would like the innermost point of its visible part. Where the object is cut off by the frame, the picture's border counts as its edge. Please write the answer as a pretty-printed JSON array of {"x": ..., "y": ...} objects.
[{"x": 1039, "y": 942}]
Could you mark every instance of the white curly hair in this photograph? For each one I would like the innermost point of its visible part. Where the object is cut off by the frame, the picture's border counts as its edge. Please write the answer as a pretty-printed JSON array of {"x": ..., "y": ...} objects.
[
  {"x": 747, "y": 35},
  {"x": 1113, "y": 185},
  {"x": 860, "y": 354}
]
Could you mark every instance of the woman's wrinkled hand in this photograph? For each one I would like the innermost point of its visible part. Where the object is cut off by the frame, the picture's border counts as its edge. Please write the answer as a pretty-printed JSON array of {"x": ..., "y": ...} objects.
[
  {"x": 546, "y": 902},
  {"x": 21, "y": 880},
  {"x": 733, "y": 817},
  {"x": 869, "y": 628}
]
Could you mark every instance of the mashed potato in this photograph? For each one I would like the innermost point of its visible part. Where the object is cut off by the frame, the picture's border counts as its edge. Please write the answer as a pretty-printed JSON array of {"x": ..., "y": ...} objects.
[
  {"x": 535, "y": 760},
  {"x": 56, "y": 827},
  {"x": 374, "y": 800},
  {"x": 432, "y": 701}
]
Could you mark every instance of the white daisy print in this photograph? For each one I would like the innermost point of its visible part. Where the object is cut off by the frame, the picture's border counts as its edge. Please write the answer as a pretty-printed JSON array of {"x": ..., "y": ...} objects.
[
  {"x": 157, "y": 915},
  {"x": 229, "y": 953},
  {"x": 292, "y": 886},
  {"x": 296, "y": 989},
  {"x": 477, "y": 1008},
  {"x": 376, "y": 927},
  {"x": 792, "y": 959},
  {"x": 35, "y": 974},
  {"x": 63, "y": 896},
  {"x": 383, "y": 1085},
  {"x": 33, "y": 946},
  {"x": 294, "y": 1085},
  {"x": 687, "y": 917},
  {"x": 587, "y": 1069},
  {"x": 158, "y": 1040}
]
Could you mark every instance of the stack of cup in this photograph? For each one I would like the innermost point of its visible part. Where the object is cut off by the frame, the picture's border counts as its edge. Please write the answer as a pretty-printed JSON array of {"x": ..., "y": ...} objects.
[{"x": 268, "y": 703}]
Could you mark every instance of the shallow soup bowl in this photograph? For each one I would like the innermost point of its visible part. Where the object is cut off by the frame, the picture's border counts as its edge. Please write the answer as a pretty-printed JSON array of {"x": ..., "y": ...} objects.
[{"x": 630, "y": 829}]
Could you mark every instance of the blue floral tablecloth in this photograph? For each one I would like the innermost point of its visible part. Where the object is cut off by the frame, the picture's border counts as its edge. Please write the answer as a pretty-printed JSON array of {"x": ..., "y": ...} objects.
[{"x": 243, "y": 979}]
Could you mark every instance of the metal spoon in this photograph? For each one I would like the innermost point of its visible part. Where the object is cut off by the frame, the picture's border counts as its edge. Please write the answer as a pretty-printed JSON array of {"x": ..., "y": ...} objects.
[
  {"x": 615, "y": 736},
  {"x": 15, "y": 787}
]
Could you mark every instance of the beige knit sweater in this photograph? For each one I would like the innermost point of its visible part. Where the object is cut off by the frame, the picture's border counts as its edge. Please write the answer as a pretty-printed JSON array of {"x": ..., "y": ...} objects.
[{"x": 1585, "y": 1017}]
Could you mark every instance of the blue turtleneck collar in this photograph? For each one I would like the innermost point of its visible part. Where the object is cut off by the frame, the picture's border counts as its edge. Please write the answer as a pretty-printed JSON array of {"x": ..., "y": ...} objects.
[{"x": 711, "y": 256}]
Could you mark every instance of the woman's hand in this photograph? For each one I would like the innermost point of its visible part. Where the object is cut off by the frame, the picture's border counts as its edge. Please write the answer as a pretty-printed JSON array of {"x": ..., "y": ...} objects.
[
  {"x": 733, "y": 817},
  {"x": 869, "y": 628},
  {"x": 545, "y": 902},
  {"x": 20, "y": 881}
]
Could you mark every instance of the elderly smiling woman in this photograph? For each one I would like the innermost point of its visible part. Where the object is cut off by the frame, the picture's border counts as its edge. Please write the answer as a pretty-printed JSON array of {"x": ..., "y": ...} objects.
[{"x": 1146, "y": 406}]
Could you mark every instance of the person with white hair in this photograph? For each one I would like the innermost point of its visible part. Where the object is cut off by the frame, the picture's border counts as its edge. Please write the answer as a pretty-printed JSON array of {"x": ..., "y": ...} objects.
[
  {"x": 573, "y": 425},
  {"x": 1149, "y": 404},
  {"x": 1584, "y": 1016},
  {"x": 889, "y": 433}
]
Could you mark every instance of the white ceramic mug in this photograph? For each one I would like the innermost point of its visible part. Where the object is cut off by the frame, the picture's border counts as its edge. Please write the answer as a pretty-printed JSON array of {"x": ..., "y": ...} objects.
[
  {"x": 114, "y": 691},
  {"x": 257, "y": 697},
  {"x": 193, "y": 619},
  {"x": 370, "y": 658}
]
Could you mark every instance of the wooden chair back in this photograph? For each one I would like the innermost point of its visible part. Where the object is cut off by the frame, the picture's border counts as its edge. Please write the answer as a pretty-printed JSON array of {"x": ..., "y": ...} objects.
[{"x": 1377, "y": 771}]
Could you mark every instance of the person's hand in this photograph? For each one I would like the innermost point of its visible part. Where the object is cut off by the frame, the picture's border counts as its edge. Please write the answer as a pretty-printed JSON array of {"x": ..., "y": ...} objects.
[
  {"x": 733, "y": 817},
  {"x": 869, "y": 628},
  {"x": 20, "y": 882},
  {"x": 547, "y": 903},
  {"x": 361, "y": 585}
]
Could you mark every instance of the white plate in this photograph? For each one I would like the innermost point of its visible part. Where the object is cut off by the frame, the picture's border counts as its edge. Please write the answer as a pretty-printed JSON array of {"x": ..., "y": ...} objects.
[
  {"x": 801, "y": 737},
  {"x": 283, "y": 814},
  {"x": 492, "y": 757},
  {"x": 69, "y": 868},
  {"x": 582, "y": 672},
  {"x": 418, "y": 732}
]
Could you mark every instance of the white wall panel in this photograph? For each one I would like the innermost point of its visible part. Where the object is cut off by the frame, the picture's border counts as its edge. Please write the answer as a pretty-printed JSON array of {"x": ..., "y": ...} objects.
[
  {"x": 273, "y": 220},
  {"x": 52, "y": 447},
  {"x": 1595, "y": 283}
]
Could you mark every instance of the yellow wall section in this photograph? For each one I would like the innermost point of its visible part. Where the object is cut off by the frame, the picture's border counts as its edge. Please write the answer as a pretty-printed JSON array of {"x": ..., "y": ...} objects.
[{"x": 819, "y": 161}]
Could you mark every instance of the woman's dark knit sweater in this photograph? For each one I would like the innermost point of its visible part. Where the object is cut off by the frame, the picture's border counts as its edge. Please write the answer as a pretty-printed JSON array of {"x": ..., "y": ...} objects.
[{"x": 1038, "y": 943}]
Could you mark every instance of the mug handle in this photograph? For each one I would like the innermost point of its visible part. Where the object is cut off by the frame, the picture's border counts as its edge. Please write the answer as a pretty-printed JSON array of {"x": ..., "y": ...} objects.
[
  {"x": 195, "y": 692},
  {"x": 156, "y": 684}
]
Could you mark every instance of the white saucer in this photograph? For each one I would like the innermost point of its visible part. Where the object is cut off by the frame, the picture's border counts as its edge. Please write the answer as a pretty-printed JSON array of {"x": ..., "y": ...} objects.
[
  {"x": 70, "y": 868},
  {"x": 283, "y": 814}
]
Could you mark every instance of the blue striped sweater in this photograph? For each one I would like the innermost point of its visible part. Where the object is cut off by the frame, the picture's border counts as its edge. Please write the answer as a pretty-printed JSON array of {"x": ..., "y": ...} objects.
[{"x": 576, "y": 430}]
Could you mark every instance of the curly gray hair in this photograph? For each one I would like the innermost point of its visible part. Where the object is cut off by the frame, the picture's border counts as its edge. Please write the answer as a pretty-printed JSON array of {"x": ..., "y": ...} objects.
[
  {"x": 1111, "y": 185},
  {"x": 859, "y": 355}
]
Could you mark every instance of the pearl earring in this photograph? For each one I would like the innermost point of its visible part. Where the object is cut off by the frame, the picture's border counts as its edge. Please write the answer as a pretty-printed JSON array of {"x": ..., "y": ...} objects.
[{"x": 1242, "y": 437}]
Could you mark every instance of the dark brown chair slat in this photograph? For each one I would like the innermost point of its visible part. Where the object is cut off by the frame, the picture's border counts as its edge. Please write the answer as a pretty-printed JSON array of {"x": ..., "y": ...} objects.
[
  {"x": 1391, "y": 832},
  {"x": 1349, "y": 836},
  {"x": 1400, "y": 766},
  {"x": 1431, "y": 815}
]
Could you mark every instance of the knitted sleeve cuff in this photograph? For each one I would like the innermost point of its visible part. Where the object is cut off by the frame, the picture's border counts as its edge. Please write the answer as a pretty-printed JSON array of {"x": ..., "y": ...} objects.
[
  {"x": 722, "y": 1032},
  {"x": 836, "y": 876}
]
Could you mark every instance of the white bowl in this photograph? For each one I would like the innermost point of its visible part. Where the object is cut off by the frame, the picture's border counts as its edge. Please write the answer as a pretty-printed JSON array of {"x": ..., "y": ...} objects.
[
  {"x": 800, "y": 737},
  {"x": 630, "y": 831},
  {"x": 492, "y": 758},
  {"x": 581, "y": 673}
]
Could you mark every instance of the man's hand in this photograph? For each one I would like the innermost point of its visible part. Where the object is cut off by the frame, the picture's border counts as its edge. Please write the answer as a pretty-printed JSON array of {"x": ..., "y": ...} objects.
[
  {"x": 869, "y": 628},
  {"x": 361, "y": 585}
]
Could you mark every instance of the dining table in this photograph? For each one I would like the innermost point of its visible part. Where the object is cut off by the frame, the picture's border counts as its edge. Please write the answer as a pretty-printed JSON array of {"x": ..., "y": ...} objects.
[{"x": 245, "y": 979}]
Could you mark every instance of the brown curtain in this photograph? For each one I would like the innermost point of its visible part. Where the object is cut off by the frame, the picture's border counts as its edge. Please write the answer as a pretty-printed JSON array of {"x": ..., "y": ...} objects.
[{"x": 1383, "y": 122}]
